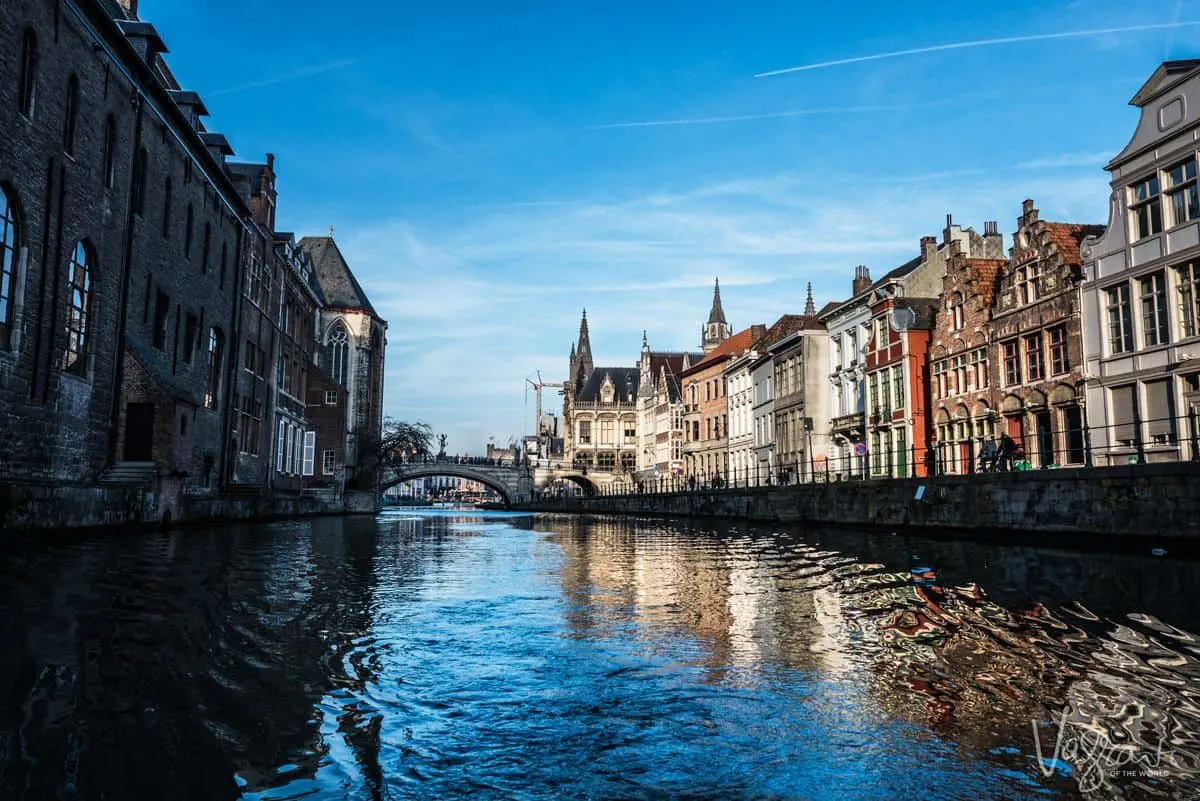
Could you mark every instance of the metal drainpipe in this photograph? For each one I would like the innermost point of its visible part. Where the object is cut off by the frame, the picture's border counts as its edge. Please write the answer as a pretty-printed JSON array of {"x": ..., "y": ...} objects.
[
  {"x": 225, "y": 476},
  {"x": 114, "y": 412}
]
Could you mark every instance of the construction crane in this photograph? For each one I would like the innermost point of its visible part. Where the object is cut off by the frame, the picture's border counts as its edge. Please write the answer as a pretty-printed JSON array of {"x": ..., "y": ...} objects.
[{"x": 538, "y": 386}]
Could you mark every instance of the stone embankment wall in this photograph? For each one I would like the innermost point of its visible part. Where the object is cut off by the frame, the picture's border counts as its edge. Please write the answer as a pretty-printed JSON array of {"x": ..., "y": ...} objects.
[
  {"x": 33, "y": 507},
  {"x": 1151, "y": 500}
]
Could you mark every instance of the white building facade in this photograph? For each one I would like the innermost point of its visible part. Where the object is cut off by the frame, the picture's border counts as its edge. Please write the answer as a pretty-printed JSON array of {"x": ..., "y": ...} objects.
[
  {"x": 1141, "y": 286},
  {"x": 742, "y": 455},
  {"x": 762, "y": 378}
]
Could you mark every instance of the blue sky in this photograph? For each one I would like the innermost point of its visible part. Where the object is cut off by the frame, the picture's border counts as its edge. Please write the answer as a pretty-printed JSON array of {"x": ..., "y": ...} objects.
[{"x": 493, "y": 168}]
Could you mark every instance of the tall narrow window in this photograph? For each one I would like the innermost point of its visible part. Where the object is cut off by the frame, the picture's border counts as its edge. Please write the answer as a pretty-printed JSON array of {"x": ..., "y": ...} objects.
[
  {"x": 1034, "y": 369},
  {"x": 1145, "y": 208},
  {"x": 1182, "y": 197},
  {"x": 10, "y": 244},
  {"x": 216, "y": 347},
  {"x": 166, "y": 220},
  {"x": 1060, "y": 361},
  {"x": 108, "y": 161},
  {"x": 205, "y": 244},
  {"x": 339, "y": 353},
  {"x": 1120, "y": 324},
  {"x": 898, "y": 386},
  {"x": 1189, "y": 297},
  {"x": 27, "y": 88},
  {"x": 70, "y": 115},
  {"x": 1153, "y": 293},
  {"x": 1012, "y": 363},
  {"x": 139, "y": 182},
  {"x": 187, "y": 233},
  {"x": 224, "y": 258},
  {"x": 79, "y": 285}
]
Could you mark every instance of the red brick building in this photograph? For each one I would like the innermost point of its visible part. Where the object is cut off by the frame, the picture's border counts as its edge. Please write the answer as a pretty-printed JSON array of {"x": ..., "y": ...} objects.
[
  {"x": 1038, "y": 352},
  {"x": 962, "y": 384},
  {"x": 898, "y": 420}
]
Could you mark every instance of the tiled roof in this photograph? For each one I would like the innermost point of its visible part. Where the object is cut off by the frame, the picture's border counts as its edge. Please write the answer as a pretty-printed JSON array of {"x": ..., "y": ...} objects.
[
  {"x": 984, "y": 275},
  {"x": 1067, "y": 237},
  {"x": 624, "y": 380},
  {"x": 787, "y": 325},
  {"x": 338, "y": 285},
  {"x": 672, "y": 361},
  {"x": 736, "y": 345}
]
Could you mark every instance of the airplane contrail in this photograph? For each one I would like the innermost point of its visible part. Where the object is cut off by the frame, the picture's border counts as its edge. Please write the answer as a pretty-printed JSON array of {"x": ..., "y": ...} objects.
[
  {"x": 1037, "y": 37},
  {"x": 800, "y": 112}
]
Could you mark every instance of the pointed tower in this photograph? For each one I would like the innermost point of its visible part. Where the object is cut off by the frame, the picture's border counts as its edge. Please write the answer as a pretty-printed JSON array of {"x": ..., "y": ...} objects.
[
  {"x": 717, "y": 329},
  {"x": 810, "y": 308},
  {"x": 646, "y": 377},
  {"x": 583, "y": 354}
]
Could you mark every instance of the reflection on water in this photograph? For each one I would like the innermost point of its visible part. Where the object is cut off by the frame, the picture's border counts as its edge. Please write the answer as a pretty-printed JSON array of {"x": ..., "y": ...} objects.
[{"x": 435, "y": 655}]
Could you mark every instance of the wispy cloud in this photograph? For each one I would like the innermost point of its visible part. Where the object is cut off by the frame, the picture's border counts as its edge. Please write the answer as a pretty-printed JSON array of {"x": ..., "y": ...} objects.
[
  {"x": 1006, "y": 40},
  {"x": 474, "y": 307},
  {"x": 1066, "y": 160},
  {"x": 285, "y": 77}
]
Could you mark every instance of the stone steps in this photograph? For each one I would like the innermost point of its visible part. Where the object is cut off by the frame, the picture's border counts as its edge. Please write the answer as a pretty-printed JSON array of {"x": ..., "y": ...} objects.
[{"x": 129, "y": 474}]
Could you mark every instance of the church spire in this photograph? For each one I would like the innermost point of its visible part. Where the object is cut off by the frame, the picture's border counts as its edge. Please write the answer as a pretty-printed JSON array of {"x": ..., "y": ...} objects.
[
  {"x": 717, "y": 329},
  {"x": 717, "y": 315},
  {"x": 584, "y": 349},
  {"x": 810, "y": 308}
]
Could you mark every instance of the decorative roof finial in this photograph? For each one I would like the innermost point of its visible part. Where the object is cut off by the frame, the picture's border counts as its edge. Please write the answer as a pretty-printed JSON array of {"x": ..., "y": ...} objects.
[{"x": 331, "y": 232}]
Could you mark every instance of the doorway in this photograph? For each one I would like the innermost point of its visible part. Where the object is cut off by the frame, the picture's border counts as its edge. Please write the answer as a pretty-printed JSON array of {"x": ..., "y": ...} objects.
[
  {"x": 1045, "y": 439},
  {"x": 139, "y": 432}
]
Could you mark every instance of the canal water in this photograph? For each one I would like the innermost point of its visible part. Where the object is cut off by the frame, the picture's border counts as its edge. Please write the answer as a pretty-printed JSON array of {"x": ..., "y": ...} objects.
[{"x": 442, "y": 655}]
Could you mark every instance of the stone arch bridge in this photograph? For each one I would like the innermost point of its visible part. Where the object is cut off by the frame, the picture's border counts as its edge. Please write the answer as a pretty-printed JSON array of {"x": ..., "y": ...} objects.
[{"x": 513, "y": 484}]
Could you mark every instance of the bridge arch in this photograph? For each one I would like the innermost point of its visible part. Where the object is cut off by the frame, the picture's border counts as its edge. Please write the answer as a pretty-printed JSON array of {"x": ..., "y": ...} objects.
[
  {"x": 494, "y": 477},
  {"x": 586, "y": 484}
]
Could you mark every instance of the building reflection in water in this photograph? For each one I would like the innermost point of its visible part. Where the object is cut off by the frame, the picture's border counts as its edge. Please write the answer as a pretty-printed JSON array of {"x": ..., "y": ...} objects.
[
  {"x": 1064, "y": 641},
  {"x": 459, "y": 656}
]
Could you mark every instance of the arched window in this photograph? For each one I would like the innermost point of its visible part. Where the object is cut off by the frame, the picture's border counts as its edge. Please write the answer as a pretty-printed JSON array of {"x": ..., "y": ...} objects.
[
  {"x": 339, "y": 353},
  {"x": 71, "y": 114},
  {"x": 109, "y": 160},
  {"x": 187, "y": 233},
  {"x": 216, "y": 348},
  {"x": 956, "y": 311},
  {"x": 10, "y": 244},
  {"x": 27, "y": 88},
  {"x": 79, "y": 287}
]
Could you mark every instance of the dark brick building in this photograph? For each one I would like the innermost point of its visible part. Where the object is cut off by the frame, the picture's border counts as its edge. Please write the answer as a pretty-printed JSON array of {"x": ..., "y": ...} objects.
[{"x": 155, "y": 330}]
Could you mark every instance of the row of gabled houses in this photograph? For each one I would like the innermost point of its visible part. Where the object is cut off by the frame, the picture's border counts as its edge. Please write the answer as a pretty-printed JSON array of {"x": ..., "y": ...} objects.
[
  {"x": 156, "y": 328},
  {"x": 1079, "y": 342}
]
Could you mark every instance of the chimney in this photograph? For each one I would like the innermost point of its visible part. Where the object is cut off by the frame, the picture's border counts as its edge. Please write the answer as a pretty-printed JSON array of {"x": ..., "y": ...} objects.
[
  {"x": 757, "y": 332},
  {"x": 928, "y": 247},
  {"x": 993, "y": 240},
  {"x": 862, "y": 280}
]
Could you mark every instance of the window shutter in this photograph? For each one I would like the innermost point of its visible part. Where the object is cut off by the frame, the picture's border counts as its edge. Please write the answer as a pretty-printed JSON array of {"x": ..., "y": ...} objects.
[
  {"x": 279, "y": 446},
  {"x": 1158, "y": 408},
  {"x": 310, "y": 451},
  {"x": 1122, "y": 409}
]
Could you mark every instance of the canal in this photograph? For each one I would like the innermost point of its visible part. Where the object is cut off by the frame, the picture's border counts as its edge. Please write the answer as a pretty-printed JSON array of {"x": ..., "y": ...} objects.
[{"x": 438, "y": 654}]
